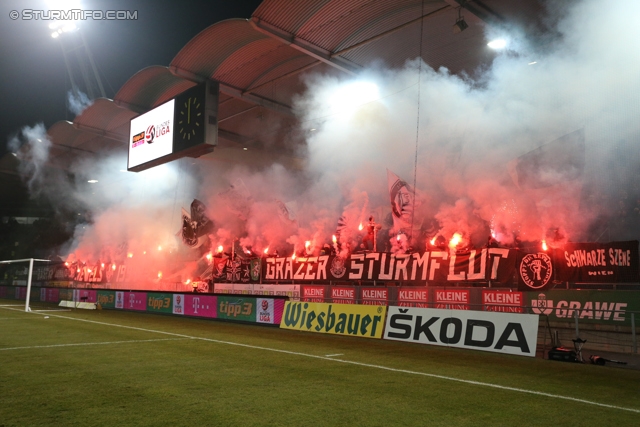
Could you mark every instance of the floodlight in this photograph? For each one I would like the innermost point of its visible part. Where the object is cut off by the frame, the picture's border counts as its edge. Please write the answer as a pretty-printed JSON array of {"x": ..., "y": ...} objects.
[
  {"x": 350, "y": 96},
  {"x": 497, "y": 44},
  {"x": 460, "y": 24}
]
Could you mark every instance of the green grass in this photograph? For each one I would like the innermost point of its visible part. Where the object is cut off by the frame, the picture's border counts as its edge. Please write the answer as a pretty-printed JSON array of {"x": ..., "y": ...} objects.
[{"x": 208, "y": 381}]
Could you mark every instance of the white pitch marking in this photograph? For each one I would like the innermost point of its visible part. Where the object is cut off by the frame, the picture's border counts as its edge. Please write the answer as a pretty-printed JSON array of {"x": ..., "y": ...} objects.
[
  {"x": 404, "y": 371},
  {"x": 12, "y": 305},
  {"x": 334, "y": 355},
  {"x": 39, "y": 311},
  {"x": 89, "y": 343}
]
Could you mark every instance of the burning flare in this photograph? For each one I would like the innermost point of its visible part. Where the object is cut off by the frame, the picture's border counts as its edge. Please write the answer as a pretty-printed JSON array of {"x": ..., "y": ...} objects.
[
  {"x": 113, "y": 267},
  {"x": 220, "y": 248},
  {"x": 293, "y": 256},
  {"x": 266, "y": 251},
  {"x": 159, "y": 248},
  {"x": 360, "y": 227},
  {"x": 130, "y": 255},
  {"x": 159, "y": 274},
  {"x": 544, "y": 245},
  {"x": 433, "y": 241},
  {"x": 334, "y": 239},
  {"x": 307, "y": 244},
  {"x": 455, "y": 240},
  {"x": 209, "y": 256},
  {"x": 187, "y": 282}
]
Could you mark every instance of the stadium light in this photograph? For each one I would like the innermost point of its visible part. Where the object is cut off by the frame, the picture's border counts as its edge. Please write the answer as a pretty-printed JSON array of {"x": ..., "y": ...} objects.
[
  {"x": 349, "y": 97},
  {"x": 497, "y": 44}
]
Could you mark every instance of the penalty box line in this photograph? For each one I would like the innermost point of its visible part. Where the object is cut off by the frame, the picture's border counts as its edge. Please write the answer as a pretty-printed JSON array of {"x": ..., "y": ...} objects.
[{"x": 367, "y": 365}]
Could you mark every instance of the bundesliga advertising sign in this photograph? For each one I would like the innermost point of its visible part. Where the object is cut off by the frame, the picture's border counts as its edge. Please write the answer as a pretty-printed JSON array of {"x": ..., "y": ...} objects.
[{"x": 151, "y": 135}]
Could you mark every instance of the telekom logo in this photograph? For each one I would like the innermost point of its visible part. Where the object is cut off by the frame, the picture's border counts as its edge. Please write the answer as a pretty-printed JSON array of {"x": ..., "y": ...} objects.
[{"x": 196, "y": 305}]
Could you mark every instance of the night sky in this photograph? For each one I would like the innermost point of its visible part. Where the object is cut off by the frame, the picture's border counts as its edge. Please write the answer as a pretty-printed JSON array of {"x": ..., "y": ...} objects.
[{"x": 34, "y": 77}]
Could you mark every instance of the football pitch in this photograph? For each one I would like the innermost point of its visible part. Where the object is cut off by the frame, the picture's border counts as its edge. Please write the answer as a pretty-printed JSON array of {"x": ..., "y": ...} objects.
[{"x": 106, "y": 367}]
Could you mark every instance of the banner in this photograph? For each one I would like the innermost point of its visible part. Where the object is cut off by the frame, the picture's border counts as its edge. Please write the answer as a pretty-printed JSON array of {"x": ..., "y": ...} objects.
[
  {"x": 85, "y": 295},
  {"x": 312, "y": 293},
  {"x": 119, "y": 299},
  {"x": 269, "y": 310},
  {"x": 495, "y": 264},
  {"x": 291, "y": 291},
  {"x": 615, "y": 262},
  {"x": 403, "y": 204},
  {"x": 63, "y": 274},
  {"x": 374, "y": 295},
  {"x": 610, "y": 307},
  {"x": 413, "y": 297},
  {"x": 50, "y": 295},
  {"x": 135, "y": 301},
  {"x": 341, "y": 319},
  {"x": 503, "y": 301},
  {"x": 452, "y": 299},
  {"x": 240, "y": 270},
  {"x": 535, "y": 271},
  {"x": 106, "y": 299},
  {"x": 237, "y": 308},
  {"x": 178, "y": 304},
  {"x": 159, "y": 303},
  {"x": 200, "y": 305},
  {"x": 343, "y": 294},
  {"x": 476, "y": 330}
]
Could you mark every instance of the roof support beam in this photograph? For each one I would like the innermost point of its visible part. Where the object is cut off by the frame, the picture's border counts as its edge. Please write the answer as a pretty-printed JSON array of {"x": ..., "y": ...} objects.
[
  {"x": 391, "y": 31},
  {"x": 236, "y": 92},
  {"x": 480, "y": 10},
  {"x": 305, "y": 46},
  {"x": 101, "y": 132}
]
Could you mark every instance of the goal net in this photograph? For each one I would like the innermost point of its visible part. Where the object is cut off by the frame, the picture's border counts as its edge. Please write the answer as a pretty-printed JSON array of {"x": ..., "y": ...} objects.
[{"x": 30, "y": 262}]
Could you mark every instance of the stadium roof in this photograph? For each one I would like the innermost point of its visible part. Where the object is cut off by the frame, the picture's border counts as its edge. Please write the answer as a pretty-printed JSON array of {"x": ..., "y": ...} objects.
[{"x": 259, "y": 63}]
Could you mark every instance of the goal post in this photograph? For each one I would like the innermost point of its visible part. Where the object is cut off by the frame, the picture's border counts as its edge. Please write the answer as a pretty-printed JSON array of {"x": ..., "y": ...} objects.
[{"x": 30, "y": 261}]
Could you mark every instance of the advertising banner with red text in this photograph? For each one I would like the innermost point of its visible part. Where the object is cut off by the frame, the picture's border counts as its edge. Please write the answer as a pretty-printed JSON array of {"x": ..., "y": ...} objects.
[
  {"x": 504, "y": 301},
  {"x": 452, "y": 299},
  {"x": 374, "y": 295},
  {"x": 409, "y": 296}
]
